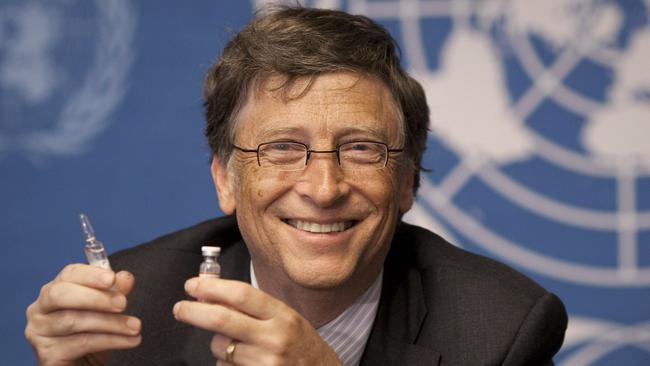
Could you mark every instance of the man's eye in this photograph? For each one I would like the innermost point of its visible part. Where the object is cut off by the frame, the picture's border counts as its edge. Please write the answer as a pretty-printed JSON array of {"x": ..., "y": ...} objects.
[
  {"x": 359, "y": 147},
  {"x": 281, "y": 146},
  {"x": 285, "y": 146}
]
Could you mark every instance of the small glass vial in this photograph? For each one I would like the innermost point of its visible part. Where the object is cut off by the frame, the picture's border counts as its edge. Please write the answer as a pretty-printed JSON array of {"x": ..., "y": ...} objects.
[{"x": 210, "y": 267}]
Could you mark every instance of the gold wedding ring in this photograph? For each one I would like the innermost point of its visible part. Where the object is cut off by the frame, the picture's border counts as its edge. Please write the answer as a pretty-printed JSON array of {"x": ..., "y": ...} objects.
[{"x": 230, "y": 351}]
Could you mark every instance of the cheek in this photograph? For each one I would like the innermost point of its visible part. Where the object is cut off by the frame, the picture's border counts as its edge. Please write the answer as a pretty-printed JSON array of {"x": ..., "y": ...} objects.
[
  {"x": 262, "y": 185},
  {"x": 380, "y": 188},
  {"x": 392, "y": 188}
]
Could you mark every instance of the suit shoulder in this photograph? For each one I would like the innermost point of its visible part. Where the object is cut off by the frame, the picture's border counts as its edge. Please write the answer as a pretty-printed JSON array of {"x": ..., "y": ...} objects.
[
  {"x": 220, "y": 231},
  {"x": 469, "y": 296},
  {"x": 431, "y": 252}
]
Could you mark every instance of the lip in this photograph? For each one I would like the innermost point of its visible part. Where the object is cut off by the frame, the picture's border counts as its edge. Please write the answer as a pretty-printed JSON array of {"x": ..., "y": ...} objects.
[
  {"x": 332, "y": 238},
  {"x": 316, "y": 227}
]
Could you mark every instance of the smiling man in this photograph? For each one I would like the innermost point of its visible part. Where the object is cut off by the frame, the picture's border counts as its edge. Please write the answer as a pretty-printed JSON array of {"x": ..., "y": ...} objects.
[{"x": 317, "y": 134}]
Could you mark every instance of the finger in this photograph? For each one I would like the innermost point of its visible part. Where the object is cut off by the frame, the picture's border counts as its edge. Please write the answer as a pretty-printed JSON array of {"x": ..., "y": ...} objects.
[
  {"x": 87, "y": 275},
  {"x": 78, "y": 345},
  {"x": 124, "y": 281},
  {"x": 219, "y": 319},
  {"x": 67, "y": 322},
  {"x": 244, "y": 353},
  {"x": 66, "y": 295},
  {"x": 239, "y": 295},
  {"x": 218, "y": 347}
]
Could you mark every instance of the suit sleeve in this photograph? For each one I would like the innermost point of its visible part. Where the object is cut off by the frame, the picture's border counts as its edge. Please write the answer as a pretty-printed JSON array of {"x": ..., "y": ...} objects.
[{"x": 540, "y": 335}]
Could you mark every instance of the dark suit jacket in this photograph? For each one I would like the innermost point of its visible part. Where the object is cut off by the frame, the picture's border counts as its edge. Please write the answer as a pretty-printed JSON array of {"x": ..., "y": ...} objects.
[{"x": 439, "y": 305}]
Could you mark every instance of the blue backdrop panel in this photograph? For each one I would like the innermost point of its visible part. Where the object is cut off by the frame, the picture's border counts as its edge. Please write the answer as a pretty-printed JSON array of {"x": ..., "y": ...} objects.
[{"x": 538, "y": 145}]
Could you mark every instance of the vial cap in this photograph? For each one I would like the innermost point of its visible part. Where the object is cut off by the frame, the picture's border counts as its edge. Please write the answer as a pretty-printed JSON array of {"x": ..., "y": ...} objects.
[{"x": 211, "y": 251}]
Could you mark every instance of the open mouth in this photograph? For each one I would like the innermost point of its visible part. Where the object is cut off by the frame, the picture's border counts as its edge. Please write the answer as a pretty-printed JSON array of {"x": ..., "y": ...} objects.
[{"x": 314, "y": 227}]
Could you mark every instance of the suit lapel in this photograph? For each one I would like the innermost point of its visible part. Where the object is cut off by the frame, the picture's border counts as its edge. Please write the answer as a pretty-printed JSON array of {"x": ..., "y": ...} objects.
[
  {"x": 382, "y": 350},
  {"x": 401, "y": 313}
]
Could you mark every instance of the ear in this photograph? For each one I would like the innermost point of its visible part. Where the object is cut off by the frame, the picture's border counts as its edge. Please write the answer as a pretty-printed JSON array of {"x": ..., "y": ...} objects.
[
  {"x": 224, "y": 185},
  {"x": 406, "y": 191}
]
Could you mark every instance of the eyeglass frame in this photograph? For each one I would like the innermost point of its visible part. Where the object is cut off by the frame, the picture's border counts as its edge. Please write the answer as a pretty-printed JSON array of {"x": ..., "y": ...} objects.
[{"x": 309, "y": 151}]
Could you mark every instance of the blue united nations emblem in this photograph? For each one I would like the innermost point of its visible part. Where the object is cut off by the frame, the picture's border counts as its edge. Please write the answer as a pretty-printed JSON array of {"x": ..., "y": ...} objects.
[
  {"x": 542, "y": 111},
  {"x": 539, "y": 144},
  {"x": 53, "y": 102}
]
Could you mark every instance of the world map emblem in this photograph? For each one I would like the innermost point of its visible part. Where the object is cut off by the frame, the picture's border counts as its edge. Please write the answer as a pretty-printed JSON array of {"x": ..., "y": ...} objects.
[
  {"x": 54, "y": 102},
  {"x": 539, "y": 152}
]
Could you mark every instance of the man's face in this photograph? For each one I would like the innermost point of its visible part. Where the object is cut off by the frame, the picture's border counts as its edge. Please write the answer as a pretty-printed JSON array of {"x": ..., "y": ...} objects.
[{"x": 282, "y": 215}]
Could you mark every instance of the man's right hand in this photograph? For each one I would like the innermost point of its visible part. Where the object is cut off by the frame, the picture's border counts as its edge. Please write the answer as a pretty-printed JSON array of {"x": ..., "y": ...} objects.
[{"x": 79, "y": 313}]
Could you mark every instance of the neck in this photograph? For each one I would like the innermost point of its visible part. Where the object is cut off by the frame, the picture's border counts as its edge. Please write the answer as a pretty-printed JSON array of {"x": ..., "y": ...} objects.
[{"x": 318, "y": 305}]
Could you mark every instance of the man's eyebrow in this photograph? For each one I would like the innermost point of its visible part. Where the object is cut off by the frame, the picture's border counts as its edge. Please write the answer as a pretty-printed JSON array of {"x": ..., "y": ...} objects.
[
  {"x": 357, "y": 130},
  {"x": 363, "y": 132},
  {"x": 277, "y": 131}
]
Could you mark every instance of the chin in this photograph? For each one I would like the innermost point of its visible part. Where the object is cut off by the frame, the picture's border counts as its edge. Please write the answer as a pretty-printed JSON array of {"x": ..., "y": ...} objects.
[{"x": 319, "y": 278}]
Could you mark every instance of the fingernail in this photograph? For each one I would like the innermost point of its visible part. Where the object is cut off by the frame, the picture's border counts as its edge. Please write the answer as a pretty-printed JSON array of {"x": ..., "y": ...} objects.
[
  {"x": 106, "y": 278},
  {"x": 177, "y": 306},
  {"x": 191, "y": 285},
  {"x": 119, "y": 302},
  {"x": 133, "y": 323},
  {"x": 135, "y": 339}
]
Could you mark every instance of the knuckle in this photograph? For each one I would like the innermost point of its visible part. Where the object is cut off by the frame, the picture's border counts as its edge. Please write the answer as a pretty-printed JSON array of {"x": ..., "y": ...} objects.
[
  {"x": 282, "y": 342},
  {"x": 67, "y": 321},
  {"x": 46, "y": 351},
  {"x": 35, "y": 319},
  {"x": 293, "y": 323},
  {"x": 33, "y": 328},
  {"x": 279, "y": 343},
  {"x": 68, "y": 271},
  {"x": 53, "y": 293},
  {"x": 30, "y": 334},
  {"x": 98, "y": 302},
  {"x": 218, "y": 319},
  {"x": 44, "y": 291},
  {"x": 29, "y": 312},
  {"x": 84, "y": 341},
  {"x": 238, "y": 296}
]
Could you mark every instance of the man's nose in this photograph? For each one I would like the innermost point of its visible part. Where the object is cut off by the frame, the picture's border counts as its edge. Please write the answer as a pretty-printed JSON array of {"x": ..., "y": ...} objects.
[{"x": 322, "y": 182}]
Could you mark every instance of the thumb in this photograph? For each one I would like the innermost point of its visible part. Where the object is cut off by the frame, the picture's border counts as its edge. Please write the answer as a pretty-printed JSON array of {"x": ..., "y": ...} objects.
[{"x": 124, "y": 281}]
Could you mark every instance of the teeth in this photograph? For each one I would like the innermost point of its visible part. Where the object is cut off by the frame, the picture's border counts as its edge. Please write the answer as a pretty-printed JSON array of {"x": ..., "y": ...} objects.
[{"x": 314, "y": 227}]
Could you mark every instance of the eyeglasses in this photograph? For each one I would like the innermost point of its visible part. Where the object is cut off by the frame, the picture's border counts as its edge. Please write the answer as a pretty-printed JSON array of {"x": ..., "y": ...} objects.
[{"x": 291, "y": 155}]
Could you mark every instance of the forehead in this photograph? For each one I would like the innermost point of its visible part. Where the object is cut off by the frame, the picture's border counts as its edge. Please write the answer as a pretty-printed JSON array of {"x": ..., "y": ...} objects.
[{"x": 333, "y": 106}]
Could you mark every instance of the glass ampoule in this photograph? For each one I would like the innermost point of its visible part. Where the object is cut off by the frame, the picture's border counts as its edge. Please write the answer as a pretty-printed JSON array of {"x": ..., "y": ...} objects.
[
  {"x": 210, "y": 267},
  {"x": 94, "y": 249}
]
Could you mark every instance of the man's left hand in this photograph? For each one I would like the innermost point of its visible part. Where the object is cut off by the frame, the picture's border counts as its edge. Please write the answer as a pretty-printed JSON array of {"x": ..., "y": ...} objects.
[{"x": 265, "y": 330}]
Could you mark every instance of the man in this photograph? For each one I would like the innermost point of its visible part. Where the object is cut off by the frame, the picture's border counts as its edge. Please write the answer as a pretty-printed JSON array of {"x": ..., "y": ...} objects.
[{"x": 317, "y": 136}]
